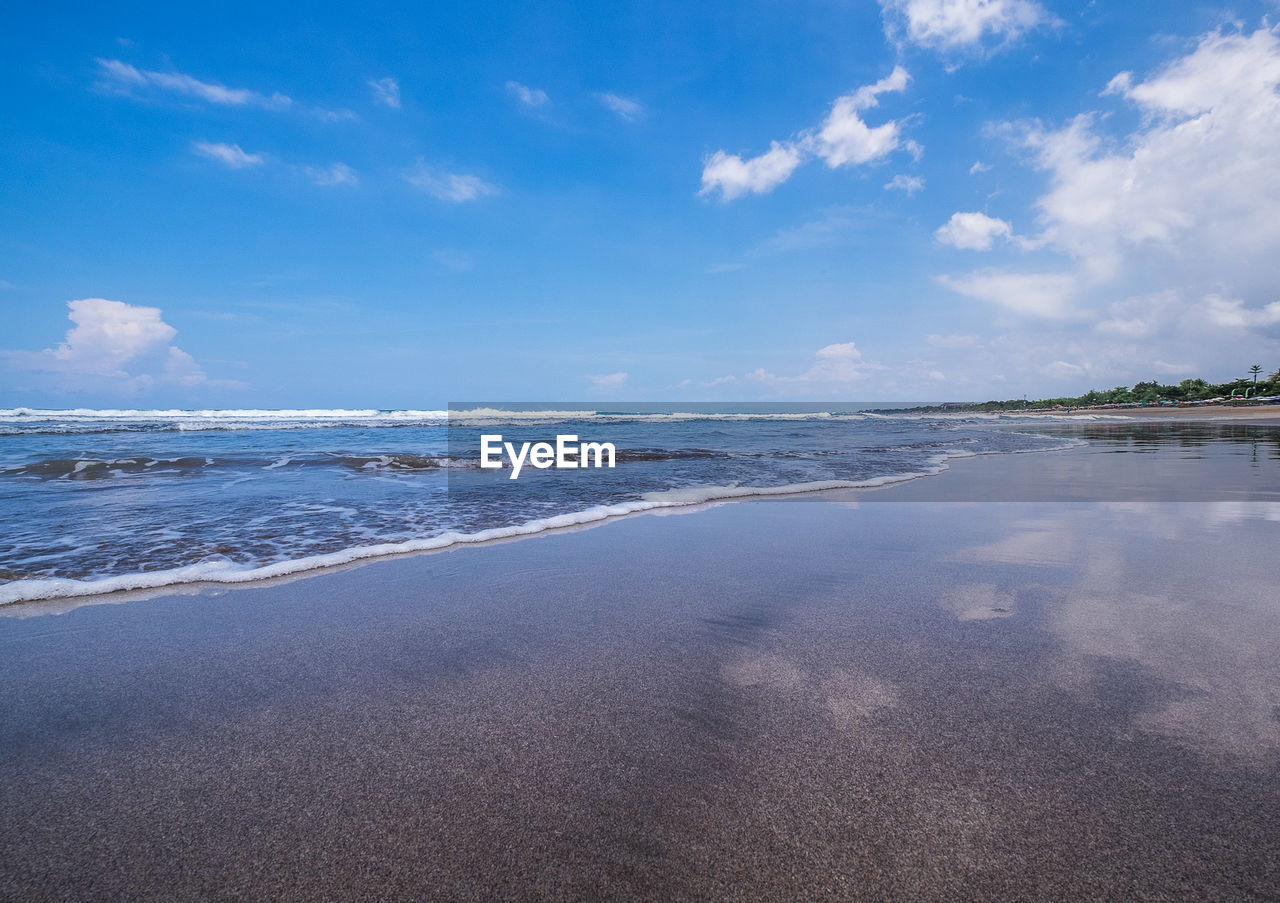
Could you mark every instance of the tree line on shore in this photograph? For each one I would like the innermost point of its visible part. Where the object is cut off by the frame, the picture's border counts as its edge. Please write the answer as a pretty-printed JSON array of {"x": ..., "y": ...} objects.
[{"x": 1187, "y": 391}]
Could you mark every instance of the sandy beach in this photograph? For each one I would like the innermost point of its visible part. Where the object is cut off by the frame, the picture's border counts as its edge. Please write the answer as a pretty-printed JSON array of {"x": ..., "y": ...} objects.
[
  {"x": 1051, "y": 696},
  {"x": 1269, "y": 413}
]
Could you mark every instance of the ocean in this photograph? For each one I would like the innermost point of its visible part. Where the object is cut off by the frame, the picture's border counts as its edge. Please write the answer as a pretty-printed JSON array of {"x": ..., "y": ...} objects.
[{"x": 102, "y": 500}]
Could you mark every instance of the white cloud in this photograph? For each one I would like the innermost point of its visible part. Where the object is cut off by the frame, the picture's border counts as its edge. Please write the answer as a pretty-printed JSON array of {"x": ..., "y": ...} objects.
[
  {"x": 530, "y": 97},
  {"x": 1197, "y": 182},
  {"x": 108, "y": 343},
  {"x": 122, "y": 77},
  {"x": 386, "y": 91},
  {"x": 977, "y": 167},
  {"x": 625, "y": 107},
  {"x": 337, "y": 174},
  {"x": 961, "y": 24},
  {"x": 229, "y": 155},
  {"x": 608, "y": 380},
  {"x": 1177, "y": 211},
  {"x": 843, "y": 139},
  {"x": 1047, "y": 295},
  {"x": 973, "y": 231},
  {"x": 836, "y": 363},
  {"x": 454, "y": 187},
  {"x": 902, "y": 182},
  {"x": 108, "y": 334},
  {"x": 181, "y": 369},
  {"x": 1231, "y": 313},
  {"x": 833, "y": 366},
  {"x": 734, "y": 176}
]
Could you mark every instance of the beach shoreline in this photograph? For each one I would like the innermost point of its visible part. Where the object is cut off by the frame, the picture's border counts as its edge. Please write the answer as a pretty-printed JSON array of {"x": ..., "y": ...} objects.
[
  {"x": 974, "y": 482},
  {"x": 789, "y": 699}
]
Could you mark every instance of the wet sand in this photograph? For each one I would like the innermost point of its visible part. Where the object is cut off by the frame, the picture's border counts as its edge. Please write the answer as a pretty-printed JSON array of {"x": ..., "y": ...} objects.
[{"x": 785, "y": 700}]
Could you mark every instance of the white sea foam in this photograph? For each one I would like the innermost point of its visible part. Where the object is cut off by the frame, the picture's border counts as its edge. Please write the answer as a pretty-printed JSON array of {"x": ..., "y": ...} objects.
[
  {"x": 90, "y": 419},
  {"x": 31, "y": 415}
]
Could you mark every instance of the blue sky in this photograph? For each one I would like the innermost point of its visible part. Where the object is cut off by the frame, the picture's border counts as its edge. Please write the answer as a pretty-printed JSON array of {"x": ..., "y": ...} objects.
[{"x": 389, "y": 206}]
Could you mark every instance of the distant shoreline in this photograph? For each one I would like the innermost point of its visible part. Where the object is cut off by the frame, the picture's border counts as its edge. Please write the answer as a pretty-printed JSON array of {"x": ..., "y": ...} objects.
[{"x": 1254, "y": 413}]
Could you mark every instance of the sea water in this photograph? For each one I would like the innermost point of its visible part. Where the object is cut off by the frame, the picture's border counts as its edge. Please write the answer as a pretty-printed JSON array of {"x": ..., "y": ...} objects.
[{"x": 102, "y": 500}]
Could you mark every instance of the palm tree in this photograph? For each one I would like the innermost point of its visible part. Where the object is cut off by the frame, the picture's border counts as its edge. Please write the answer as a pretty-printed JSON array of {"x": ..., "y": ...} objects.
[{"x": 1255, "y": 370}]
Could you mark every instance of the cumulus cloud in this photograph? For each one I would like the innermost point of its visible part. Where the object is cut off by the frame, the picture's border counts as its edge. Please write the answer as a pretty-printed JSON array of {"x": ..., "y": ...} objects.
[
  {"x": 973, "y": 231},
  {"x": 456, "y": 188},
  {"x": 108, "y": 334},
  {"x": 833, "y": 366},
  {"x": 1179, "y": 210},
  {"x": 386, "y": 91},
  {"x": 843, "y": 139},
  {"x": 114, "y": 346},
  {"x": 230, "y": 155},
  {"x": 836, "y": 363},
  {"x": 734, "y": 176},
  {"x": 530, "y": 97},
  {"x": 181, "y": 369},
  {"x": 1197, "y": 181},
  {"x": 627, "y": 108},
  {"x": 902, "y": 182},
  {"x": 124, "y": 78},
  {"x": 961, "y": 24}
]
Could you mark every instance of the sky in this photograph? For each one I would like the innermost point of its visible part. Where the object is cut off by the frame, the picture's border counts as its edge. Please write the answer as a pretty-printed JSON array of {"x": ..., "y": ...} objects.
[{"x": 378, "y": 205}]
